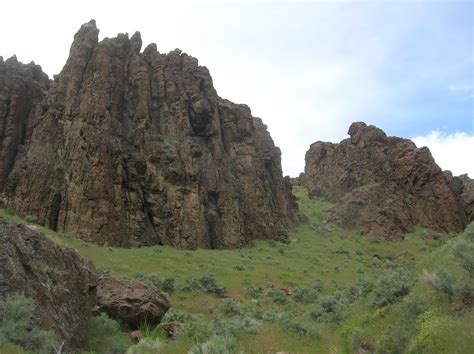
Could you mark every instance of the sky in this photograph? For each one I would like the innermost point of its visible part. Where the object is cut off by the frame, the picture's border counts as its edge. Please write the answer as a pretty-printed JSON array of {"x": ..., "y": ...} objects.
[{"x": 308, "y": 68}]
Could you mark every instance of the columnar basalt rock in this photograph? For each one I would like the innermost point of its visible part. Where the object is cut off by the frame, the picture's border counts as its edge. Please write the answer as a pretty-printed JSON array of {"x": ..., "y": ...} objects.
[
  {"x": 383, "y": 186},
  {"x": 137, "y": 148}
]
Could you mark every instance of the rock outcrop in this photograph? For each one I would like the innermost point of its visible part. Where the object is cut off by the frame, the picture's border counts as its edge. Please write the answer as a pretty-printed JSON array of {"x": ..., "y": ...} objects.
[
  {"x": 463, "y": 186},
  {"x": 62, "y": 284},
  {"x": 136, "y": 148},
  {"x": 383, "y": 186},
  {"x": 66, "y": 288},
  {"x": 23, "y": 90},
  {"x": 130, "y": 301}
]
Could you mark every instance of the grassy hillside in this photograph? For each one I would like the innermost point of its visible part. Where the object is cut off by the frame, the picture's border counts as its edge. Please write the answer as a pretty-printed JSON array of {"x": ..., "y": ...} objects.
[{"x": 326, "y": 291}]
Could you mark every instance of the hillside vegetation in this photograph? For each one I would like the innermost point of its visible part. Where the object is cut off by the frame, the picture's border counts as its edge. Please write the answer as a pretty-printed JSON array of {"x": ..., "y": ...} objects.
[{"x": 326, "y": 291}]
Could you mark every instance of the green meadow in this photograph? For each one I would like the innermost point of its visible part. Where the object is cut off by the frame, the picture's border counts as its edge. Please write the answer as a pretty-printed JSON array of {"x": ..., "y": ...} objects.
[{"x": 326, "y": 291}]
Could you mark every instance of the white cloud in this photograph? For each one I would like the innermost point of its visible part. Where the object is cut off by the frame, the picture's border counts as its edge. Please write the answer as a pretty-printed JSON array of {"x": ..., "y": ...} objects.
[{"x": 454, "y": 152}]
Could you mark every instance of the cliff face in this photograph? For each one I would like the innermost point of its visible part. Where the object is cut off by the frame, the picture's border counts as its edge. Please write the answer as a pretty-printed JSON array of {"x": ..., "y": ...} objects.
[
  {"x": 383, "y": 186},
  {"x": 23, "y": 89},
  {"x": 137, "y": 148}
]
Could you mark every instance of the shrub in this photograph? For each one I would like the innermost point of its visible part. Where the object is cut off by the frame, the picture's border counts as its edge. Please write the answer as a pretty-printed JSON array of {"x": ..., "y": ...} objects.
[
  {"x": 432, "y": 327},
  {"x": 104, "y": 334},
  {"x": 245, "y": 324},
  {"x": 207, "y": 284},
  {"x": 146, "y": 346},
  {"x": 230, "y": 308},
  {"x": 469, "y": 232},
  {"x": 215, "y": 345},
  {"x": 104, "y": 324},
  {"x": 330, "y": 309},
  {"x": 292, "y": 324},
  {"x": 394, "y": 342},
  {"x": 318, "y": 286},
  {"x": 463, "y": 252},
  {"x": 188, "y": 325},
  {"x": 165, "y": 285},
  {"x": 390, "y": 288},
  {"x": 17, "y": 327},
  {"x": 305, "y": 295},
  {"x": 250, "y": 290},
  {"x": 442, "y": 280},
  {"x": 277, "y": 296},
  {"x": 414, "y": 306}
]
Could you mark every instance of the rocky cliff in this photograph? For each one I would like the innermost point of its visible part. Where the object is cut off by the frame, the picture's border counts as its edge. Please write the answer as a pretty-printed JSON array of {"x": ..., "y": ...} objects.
[
  {"x": 383, "y": 186},
  {"x": 135, "y": 147},
  {"x": 23, "y": 89}
]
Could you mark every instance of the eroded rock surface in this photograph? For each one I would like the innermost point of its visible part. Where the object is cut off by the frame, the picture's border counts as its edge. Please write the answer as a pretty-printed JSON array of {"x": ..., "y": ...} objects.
[
  {"x": 62, "y": 284},
  {"x": 464, "y": 186},
  {"x": 383, "y": 186},
  {"x": 66, "y": 288},
  {"x": 130, "y": 301},
  {"x": 23, "y": 90},
  {"x": 137, "y": 148}
]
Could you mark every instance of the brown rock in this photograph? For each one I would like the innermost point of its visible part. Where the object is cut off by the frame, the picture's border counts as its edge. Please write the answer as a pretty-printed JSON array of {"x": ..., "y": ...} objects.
[
  {"x": 383, "y": 186},
  {"x": 135, "y": 336},
  {"x": 130, "y": 301},
  {"x": 62, "y": 284},
  {"x": 22, "y": 94},
  {"x": 137, "y": 148},
  {"x": 468, "y": 195},
  {"x": 170, "y": 329}
]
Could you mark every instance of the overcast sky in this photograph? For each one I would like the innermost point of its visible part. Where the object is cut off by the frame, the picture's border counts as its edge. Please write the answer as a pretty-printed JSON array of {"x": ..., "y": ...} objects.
[{"x": 308, "y": 69}]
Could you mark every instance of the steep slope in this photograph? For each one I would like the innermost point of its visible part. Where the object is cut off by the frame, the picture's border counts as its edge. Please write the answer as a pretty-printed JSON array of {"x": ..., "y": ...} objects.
[
  {"x": 137, "y": 148},
  {"x": 383, "y": 186}
]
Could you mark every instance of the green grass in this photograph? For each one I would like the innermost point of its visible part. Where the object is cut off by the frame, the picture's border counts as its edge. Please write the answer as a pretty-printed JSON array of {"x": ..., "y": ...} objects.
[{"x": 333, "y": 256}]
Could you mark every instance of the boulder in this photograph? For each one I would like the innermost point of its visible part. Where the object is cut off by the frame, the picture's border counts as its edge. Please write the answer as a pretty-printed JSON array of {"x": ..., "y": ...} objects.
[
  {"x": 62, "y": 284},
  {"x": 383, "y": 186},
  {"x": 130, "y": 301}
]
